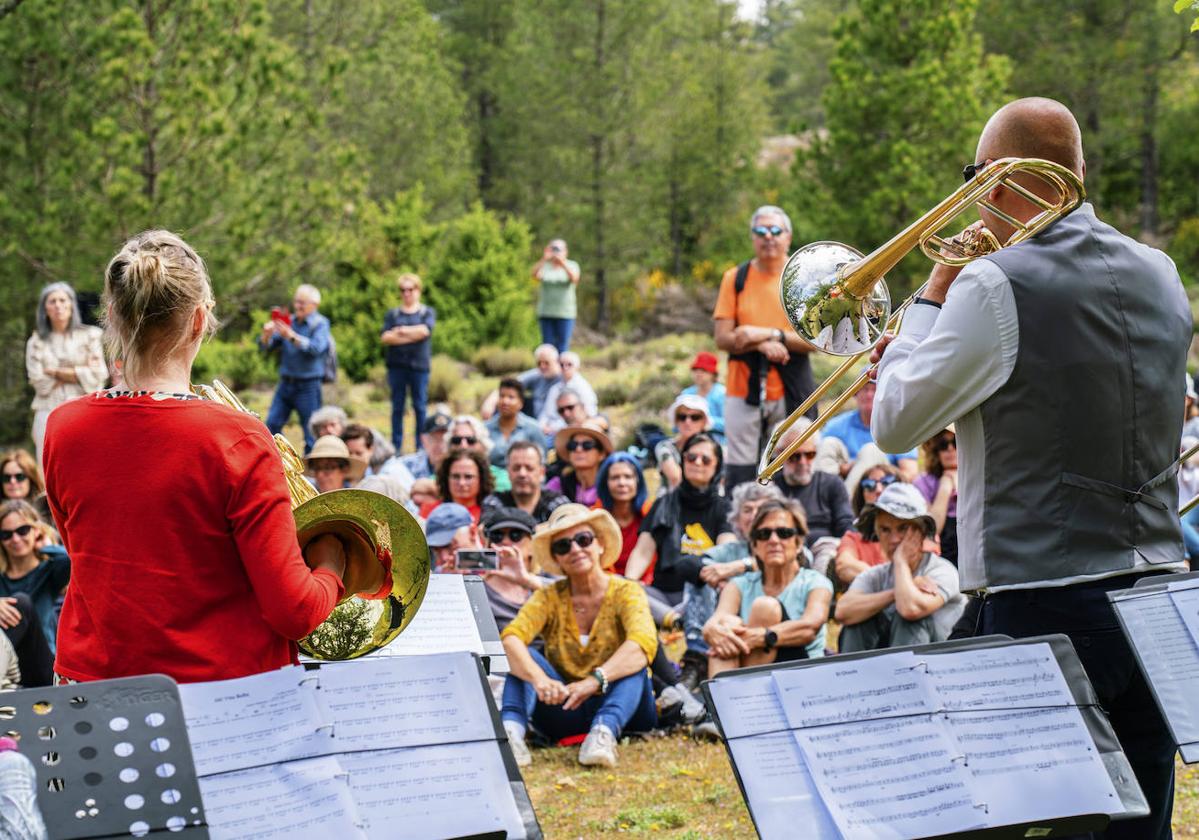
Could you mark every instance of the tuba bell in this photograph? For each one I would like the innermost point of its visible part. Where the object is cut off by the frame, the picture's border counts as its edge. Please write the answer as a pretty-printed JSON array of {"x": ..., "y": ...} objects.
[{"x": 387, "y": 559}]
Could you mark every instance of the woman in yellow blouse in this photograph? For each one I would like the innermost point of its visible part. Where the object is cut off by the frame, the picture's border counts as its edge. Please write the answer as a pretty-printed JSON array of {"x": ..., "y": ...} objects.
[{"x": 599, "y": 638}]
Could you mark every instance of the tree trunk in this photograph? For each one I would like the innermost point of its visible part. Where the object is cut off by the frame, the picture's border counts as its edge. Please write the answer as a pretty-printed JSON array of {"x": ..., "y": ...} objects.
[
  {"x": 1149, "y": 155},
  {"x": 597, "y": 180},
  {"x": 149, "y": 126}
]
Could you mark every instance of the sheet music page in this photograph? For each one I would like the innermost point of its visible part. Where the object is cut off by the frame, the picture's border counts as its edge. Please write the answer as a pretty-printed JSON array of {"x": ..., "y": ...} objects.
[
  {"x": 1028, "y": 762},
  {"x": 301, "y": 799},
  {"x": 1170, "y": 656},
  {"x": 249, "y": 721},
  {"x": 891, "y": 685},
  {"x": 777, "y": 783},
  {"x": 427, "y": 793},
  {"x": 444, "y": 623},
  {"x": 405, "y": 701}
]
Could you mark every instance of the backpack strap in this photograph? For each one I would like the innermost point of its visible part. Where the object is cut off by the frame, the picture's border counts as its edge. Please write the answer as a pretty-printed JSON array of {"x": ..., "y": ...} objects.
[{"x": 742, "y": 276}]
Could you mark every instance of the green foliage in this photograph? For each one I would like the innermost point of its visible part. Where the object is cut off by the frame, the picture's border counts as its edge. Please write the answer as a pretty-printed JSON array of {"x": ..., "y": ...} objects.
[
  {"x": 445, "y": 379},
  {"x": 649, "y": 818},
  {"x": 239, "y": 364}
]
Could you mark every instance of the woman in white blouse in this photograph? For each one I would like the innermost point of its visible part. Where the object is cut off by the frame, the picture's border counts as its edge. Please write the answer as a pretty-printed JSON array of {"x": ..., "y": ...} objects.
[{"x": 64, "y": 358}]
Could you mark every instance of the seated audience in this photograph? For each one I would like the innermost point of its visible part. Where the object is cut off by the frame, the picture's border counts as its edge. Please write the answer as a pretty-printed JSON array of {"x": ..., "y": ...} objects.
[
  {"x": 509, "y": 424},
  {"x": 424, "y": 462},
  {"x": 777, "y": 612},
  {"x": 464, "y": 479},
  {"x": 537, "y": 382},
  {"x": 390, "y": 487},
  {"x": 599, "y": 640},
  {"x": 23, "y": 480},
  {"x": 550, "y": 417},
  {"x": 823, "y": 496},
  {"x": 856, "y": 554},
  {"x": 704, "y": 375},
  {"x": 720, "y": 564},
  {"x": 939, "y": 486},
  {"x": 526, "y": 472},
  {"x": 327, "y": 420},
  {"x": 10, "y": 667},
  {"x": 689, "y": 413},
  {"x": 847, "y": 441},
  {"x": 424, "y": 494},
  {"x": 913, "y": 598},
  {"x": 623, "y": 493},
  {"x": 684, "y": 524},
  {"x": 331, "y": 466},
  {"x": 509, "y": 531},
  {"x": 360, "y": 441},
  {"x": 582, "y": 448},
  {"x": 448, "y": 529},
  {"x": 34, "y": 573},
  {"x": 468, "y": 432}
]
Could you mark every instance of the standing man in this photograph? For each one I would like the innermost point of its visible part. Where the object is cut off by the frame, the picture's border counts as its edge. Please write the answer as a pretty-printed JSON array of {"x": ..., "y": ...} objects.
[
  {"x": 556, "y": 306},
  {"x": 407, "y": 335},
  {"x": 1059, "y": 361},
  {"x": 302, "y": 346},
  {"x": 769, "y": 374}
]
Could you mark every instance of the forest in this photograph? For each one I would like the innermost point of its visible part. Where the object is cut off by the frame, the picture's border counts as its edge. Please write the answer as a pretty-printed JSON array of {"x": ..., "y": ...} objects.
[{"x": 340, "y": 143}]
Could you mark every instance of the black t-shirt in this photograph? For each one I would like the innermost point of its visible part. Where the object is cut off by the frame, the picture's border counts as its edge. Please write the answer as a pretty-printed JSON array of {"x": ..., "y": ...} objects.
[
  {"x": 545, "y": 505},
  {"x": 417, "y": 355},
  {"x": 825, "y": 501},
  {"x": 697, "y": 531}
]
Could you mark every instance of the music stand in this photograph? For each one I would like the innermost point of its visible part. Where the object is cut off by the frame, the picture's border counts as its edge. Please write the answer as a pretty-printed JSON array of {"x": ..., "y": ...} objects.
[{"x": 112, "y": 757}]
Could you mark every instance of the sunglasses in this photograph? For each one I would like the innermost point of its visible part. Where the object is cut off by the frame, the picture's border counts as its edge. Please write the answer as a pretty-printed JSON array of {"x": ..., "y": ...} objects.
[
  {"x": 762, "y": 230},
  {"x": 585, "y": 445},
  {"x": 562, "y": 409},
  {"x": 581, "y": 539},
  {"x": 972, "y": 169},
  {"x": 693, "y": 418},
  {"x": 697, "y": 458},
  {"x": 20, "y": 531},
  {"x": 871, "y": 483},
  {"x": 463, "y": 440},
  {"x": 513, "y": 535},
  {"x": 407, "y": 289},
  {"x": 945, "y": 443},
  {"x": 763, "y": 534},
  {"x": 802, "y": 456},
  {"x": 15, "y": 478}
]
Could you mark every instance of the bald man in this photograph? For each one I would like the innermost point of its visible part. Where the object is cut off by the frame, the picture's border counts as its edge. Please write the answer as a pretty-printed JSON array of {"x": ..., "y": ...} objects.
[{"x": 1060, "y": 362}]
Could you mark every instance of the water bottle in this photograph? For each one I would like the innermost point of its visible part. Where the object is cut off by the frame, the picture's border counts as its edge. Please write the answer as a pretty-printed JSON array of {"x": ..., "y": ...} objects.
[{"x": 20, "y": 818}]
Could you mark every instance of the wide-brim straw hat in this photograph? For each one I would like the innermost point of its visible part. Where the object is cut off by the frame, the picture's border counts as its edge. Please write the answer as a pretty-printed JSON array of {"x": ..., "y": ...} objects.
[
  {"x": 589, "y": 428},
  {"x": 333, "y": 447},
  {"x": 568, "y": 516}
]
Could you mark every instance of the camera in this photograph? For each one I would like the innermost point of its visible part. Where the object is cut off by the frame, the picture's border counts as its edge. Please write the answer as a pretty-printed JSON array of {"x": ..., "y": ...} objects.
[{"x": 475, "y": 559}]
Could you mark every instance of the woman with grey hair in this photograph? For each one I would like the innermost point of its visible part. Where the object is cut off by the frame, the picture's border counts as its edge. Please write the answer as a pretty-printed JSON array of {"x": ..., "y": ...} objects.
[
  {"x": 469, "y": 431},
  {"x": 64, "y": 358}
]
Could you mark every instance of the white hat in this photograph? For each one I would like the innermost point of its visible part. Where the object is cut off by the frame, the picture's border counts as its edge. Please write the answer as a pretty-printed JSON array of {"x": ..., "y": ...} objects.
[
  {"x": 903, "y": 501},
  {"x": 692, "y": 401}
]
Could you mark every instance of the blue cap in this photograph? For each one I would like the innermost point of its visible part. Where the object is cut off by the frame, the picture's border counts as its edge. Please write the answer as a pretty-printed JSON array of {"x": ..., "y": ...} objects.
[{"x": 443, "y": 521}]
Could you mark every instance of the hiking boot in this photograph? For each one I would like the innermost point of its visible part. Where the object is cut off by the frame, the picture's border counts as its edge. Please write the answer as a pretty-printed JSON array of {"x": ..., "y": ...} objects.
[
  {"x": 690, "y": 709},
  {"x": 694, "y": 670},
  {"x": 599, "y": 748}
]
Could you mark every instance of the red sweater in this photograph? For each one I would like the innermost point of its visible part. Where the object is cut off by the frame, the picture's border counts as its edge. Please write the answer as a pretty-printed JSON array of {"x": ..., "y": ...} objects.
[{"x": 184, "y": 558}]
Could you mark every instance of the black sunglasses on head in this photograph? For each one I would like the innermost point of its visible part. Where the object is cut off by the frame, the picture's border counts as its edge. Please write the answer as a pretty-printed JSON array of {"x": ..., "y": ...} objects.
[
  {"x": 20, "y": 531},
  {"x": 581, "y": 539},
  {"x": 763, "y": 534}
]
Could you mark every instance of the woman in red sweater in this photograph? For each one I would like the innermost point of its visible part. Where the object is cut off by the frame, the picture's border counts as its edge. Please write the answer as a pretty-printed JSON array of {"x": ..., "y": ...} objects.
[{"x": 174, "y": 509}]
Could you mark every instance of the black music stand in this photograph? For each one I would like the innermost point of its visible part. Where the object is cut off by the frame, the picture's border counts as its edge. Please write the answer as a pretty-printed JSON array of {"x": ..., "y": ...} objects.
[
  {"x": 112, "y": 757},
  {"x": 1106, "y": 743}
]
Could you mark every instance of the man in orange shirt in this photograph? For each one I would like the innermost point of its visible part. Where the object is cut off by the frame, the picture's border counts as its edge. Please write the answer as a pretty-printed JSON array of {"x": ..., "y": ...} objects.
[{"x": 769, "y": 374}]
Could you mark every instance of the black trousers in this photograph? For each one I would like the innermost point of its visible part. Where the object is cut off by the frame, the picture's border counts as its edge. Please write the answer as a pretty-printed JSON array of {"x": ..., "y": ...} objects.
[
  {"x": 33, "y": 651},
  {"x": 1083, "y": 613}
]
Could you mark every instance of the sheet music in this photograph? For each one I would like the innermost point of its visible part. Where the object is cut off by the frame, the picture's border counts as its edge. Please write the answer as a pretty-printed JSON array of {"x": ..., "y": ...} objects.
[
  {"x": 891, "y": 685},
  {"x": 296, "y": 801},
  {"x": 427, "y": 793},
  {"x": 772, "y": 769},
  {"x": 1168, "y": 651},
  {"x": 1018, "y": 676},
  {"x": 250, "y": 721},
  {"x": 444, "y": 623},
  {"x": 405, "y": 701}
]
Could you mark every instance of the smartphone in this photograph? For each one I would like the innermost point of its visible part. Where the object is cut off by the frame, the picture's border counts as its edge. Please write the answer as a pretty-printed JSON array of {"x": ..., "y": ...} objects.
[
  {"x": 281, "y": 315},
  {"x": 474, "y": 559}
]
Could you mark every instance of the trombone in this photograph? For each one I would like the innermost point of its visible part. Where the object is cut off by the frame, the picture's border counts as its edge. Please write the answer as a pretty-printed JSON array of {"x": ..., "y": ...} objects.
[{"x": 837, "y": 300}]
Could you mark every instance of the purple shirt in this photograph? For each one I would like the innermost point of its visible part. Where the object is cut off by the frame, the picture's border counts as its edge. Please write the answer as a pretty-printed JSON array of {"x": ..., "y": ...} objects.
[
  {"x": 583, "y": 495},
  {"x": 927, "y": 485}
]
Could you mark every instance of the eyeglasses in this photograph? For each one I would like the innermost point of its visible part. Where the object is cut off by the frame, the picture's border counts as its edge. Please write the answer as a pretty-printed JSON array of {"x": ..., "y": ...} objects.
[
  {"x": 692, "y": 418},
  {"x": 562, "y": 409},
  {"x": 695, "y": 457},
  {"x": 585, "y": 445},
  {"x": 581, "y": 539},
  {"x": 462, "y": 478},
  {"x": 513, "y": 535},
  {"x": 802, "y": 456},
  {"x": 15, "y": 478},
  {"x": 463, "y": 440},
  {"x": 945, "y": 443},
  {"x": 762, "y": 230},
  {"x": 763, "y": 534},
  {"x": 972, "y": 169},
  {"x": 20, "y": 531},
  {"x": 871, "y": 483}
]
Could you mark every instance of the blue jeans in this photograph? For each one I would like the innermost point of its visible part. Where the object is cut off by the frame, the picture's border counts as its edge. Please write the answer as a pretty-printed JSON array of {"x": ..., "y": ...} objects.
[
  {"x": 629, "y": 704},
  {"x": 556, "y": 331},
  {"x": 1190, "y": 535},
  {"x": 405, "y": 382},
  {"x": 300, "y": 395}
]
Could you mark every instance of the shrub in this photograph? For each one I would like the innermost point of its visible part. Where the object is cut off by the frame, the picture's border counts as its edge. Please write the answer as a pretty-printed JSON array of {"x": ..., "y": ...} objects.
[
  {"x": 497, "y": 361},
  {"x": 617, "y": 392},
  {"x": 445, "y": 377},
  {"x": 239, "y": 364}
]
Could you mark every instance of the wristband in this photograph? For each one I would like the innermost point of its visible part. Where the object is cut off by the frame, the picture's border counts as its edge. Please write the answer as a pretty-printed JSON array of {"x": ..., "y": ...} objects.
[
  {"x": 927, "y": 301},
  {"x": 602, "y": 679}
]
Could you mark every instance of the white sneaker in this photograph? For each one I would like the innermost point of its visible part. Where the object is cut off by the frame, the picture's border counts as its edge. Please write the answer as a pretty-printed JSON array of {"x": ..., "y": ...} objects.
[
  {"x": 599, "y": 748},
  {"x": 520, "y": 750},
  {"x": 690, "y": 709}
]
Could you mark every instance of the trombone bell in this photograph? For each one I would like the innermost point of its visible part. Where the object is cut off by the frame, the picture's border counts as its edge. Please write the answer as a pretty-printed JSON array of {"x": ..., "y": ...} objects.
[{"x": 821, "y": 309}]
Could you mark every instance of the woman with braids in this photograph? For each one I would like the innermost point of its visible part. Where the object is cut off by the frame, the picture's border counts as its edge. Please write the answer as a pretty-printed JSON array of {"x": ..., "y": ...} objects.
[{"x": 218, "y": 588}]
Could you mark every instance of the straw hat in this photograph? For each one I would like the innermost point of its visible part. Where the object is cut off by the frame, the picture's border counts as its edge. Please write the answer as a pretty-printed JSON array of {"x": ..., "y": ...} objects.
[
  {"x": 570, "y": 516},
  {"x": 588, "y": 427},
  {"x": 333, "y": 447}
]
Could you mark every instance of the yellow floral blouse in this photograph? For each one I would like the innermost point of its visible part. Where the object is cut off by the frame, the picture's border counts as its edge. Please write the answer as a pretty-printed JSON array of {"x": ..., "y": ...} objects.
[{"x": 623, "y": 615}]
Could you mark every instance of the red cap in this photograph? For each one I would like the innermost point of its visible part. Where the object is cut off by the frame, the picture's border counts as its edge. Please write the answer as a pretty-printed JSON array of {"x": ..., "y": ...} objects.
[{"x": 705, "y": 361}]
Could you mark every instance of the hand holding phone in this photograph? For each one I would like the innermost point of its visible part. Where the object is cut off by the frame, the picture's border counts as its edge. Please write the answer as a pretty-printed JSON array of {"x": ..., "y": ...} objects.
[{"x": 281, "y": 315}]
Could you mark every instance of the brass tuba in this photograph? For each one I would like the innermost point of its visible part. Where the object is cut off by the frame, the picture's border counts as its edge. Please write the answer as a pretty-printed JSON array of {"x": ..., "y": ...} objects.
[
  {"x": 838, "y": 301},
  {"x": 387, "y": 559}
]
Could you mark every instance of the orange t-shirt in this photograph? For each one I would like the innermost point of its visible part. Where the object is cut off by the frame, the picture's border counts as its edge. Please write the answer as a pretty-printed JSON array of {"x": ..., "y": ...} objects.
[{"x": 758, "y": 305}]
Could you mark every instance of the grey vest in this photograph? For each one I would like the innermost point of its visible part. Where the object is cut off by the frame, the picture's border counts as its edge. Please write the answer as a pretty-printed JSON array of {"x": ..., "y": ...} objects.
[{"x": 1078, "y": 442}]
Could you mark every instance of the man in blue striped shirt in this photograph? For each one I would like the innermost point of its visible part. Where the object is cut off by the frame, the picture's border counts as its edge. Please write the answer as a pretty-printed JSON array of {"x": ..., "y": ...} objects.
[{"x": 302, "y": 345}]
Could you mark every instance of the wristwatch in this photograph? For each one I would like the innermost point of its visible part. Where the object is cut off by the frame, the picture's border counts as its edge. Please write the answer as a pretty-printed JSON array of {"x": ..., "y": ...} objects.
[
  {"x": 748, "y": 563},
  {"x": 771, "y": 639},
  {"x": 780, "y": 336}
]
